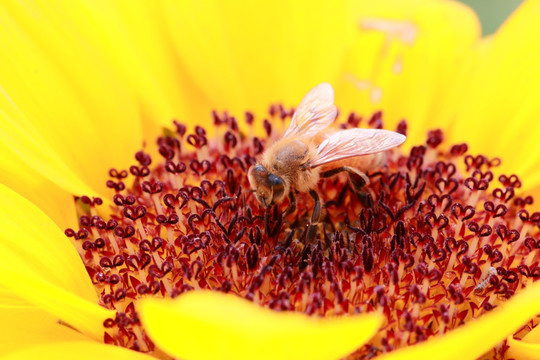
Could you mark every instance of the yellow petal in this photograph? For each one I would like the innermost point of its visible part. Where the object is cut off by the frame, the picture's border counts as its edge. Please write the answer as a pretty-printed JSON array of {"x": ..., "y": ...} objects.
[
  {"x": 81, "y": 350},
  {"x": 213, "y": 325},
  {"x": 133, "y": 40},
  {"x": 477, "y": 337},
  {"x": 57, "y": 203},
  {"x": 245, "y": 55},
  {"x": 22, "y": 327},
  {"x": 40, "y": 265},
  {"x": 24, "y": 146},
  {"x": 66, "y": 97},
  {"x": 526, "y": 349},
  {"x": 406, "y": 55},
  {"x": 499, "y": 109},
  {"x": 71, "y": 309},
  {"x": 9, "y": 300}
]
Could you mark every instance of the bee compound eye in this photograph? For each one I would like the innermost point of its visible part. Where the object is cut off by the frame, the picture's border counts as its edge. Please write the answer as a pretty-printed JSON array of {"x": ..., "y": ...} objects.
[
  {"x": 275, "y": 181},
  {"x": 256, "y": 177},
  {"x": 258, "y": 174},
  {"x": 260, "y": 170},
  {"x": 278, "y": 186}
]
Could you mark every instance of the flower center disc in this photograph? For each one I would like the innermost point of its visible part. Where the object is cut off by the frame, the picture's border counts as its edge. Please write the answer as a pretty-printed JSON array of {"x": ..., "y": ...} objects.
[{"x": 442, "y": 241}]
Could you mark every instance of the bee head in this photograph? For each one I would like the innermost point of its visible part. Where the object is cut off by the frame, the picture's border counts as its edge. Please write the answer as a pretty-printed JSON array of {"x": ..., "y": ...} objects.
[{"x": 269, "y": 188}]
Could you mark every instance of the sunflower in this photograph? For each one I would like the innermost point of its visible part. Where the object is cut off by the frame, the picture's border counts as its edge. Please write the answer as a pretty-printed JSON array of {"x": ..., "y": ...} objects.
[{"x": 87, "y": 259}]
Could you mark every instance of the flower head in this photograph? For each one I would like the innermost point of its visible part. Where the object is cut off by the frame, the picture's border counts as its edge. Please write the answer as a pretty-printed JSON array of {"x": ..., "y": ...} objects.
[{"x": 437, "y": 250}]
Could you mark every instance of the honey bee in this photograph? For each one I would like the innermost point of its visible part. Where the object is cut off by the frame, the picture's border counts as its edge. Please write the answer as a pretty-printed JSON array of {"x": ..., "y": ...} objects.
[{"x": 310, "y": 150}]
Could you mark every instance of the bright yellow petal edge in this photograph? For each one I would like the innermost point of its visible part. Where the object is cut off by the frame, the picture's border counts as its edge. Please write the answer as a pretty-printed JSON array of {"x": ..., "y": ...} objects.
[
  {"x": 212, "y": 325},
  {"x": 479, "y": 336},
  {"x": 81, "y": 350},
  {"x": 26, "y": 326},
  {"x": 39, "y": 265},
  {"x": 526, "y": 349}
]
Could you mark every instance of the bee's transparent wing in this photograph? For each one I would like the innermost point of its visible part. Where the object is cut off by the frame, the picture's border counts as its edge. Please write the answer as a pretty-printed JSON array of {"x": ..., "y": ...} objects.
[
  {"x": 355, "y": 142},
  {"x": 315, "y": 112}
]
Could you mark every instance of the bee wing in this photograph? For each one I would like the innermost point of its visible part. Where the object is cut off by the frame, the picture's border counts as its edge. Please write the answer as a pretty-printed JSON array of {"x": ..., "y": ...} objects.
[
  {"x": 355, "y": 142},
  {"x": 315, "y": 112}
]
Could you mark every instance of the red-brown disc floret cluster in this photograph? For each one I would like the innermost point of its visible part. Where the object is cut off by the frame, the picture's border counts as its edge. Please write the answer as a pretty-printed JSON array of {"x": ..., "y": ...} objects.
[{"x": 441, "y": 241}]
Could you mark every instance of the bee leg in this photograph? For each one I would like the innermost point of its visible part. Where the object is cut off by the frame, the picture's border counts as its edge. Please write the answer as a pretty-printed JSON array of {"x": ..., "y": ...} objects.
[
  {"x": 315, "y": 216},
  {"x": 358, "y": 180},
  {"x": 333, "y": 171},
  {"x": 365, "y": 198},
  {"x": 267, "y": 221},
  {"x": 292, "y": 204}
]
